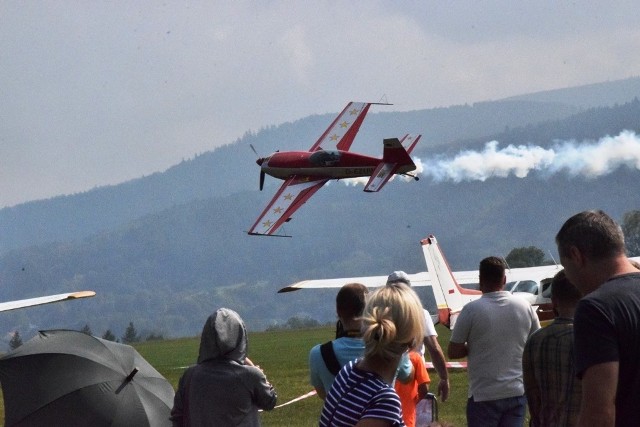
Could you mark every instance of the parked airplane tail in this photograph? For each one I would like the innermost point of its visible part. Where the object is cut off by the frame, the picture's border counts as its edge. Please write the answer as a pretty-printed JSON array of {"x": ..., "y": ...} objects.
[
  {"x": 395, "y": 159},
  {"x": 450, "y": 296}
]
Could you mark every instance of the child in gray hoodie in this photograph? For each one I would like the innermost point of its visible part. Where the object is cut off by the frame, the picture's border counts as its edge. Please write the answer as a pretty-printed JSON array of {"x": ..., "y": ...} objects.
[{"x": 224, "y": 388}]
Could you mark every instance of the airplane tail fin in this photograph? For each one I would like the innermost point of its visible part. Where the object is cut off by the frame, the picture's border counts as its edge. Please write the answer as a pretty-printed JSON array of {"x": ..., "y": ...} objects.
[
  {"x": 395, "y": 159},
  {"x": 449, "y": 295},
  {"x": 395, "y": 152}
]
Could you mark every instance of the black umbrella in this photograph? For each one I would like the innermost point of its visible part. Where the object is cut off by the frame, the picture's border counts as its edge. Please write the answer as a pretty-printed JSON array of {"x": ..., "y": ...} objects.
[{"x": 68, "y": 378}]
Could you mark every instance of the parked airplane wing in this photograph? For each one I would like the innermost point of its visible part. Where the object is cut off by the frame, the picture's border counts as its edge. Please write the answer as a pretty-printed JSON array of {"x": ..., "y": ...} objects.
[
  {"x": 12, "y": 305},
  {"x": 418, "y": 279},
  {"x": 452, "y": 290},
  {"x": 289, "y": 197},
  {"x": 341, "y": 133}
]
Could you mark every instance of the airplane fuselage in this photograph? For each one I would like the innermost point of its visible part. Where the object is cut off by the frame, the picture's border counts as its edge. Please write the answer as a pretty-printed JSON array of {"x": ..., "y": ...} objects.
[
  {"x": 332, "y": 164},
  {"x": 329, "y": 158}
]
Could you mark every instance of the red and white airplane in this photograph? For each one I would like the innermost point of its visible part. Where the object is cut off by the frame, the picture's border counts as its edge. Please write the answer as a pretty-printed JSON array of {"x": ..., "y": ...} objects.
[
  {"x": 305, "y": 172},
  {"x": 530, "y": 283}
]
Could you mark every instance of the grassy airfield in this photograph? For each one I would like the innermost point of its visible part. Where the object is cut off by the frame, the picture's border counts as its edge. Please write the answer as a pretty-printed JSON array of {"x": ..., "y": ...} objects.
[{"x": 283, "y": 357}]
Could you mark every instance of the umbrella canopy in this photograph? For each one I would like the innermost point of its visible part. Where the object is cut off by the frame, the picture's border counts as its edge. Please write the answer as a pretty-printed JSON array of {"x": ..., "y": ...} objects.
[{"x": 70, "y": 378}]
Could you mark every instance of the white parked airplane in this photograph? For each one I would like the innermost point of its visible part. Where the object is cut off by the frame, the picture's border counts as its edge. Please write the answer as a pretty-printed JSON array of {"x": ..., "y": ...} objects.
[
  {"x": 30, "y": 302},
  {"x": 452, "y": 290},
  {"x": 530, "y": 283}
]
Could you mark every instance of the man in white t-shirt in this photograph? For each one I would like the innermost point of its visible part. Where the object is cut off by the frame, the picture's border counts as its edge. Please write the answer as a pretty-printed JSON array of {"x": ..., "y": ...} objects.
[
  {"x": 430, "y": 340},
  {"x": 491, "y": 332}
]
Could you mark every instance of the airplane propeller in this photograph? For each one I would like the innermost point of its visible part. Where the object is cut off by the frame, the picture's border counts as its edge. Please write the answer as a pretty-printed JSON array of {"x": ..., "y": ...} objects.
[
  {"x": 259, "y": 162},
  {"x": 261, "y": 179}
]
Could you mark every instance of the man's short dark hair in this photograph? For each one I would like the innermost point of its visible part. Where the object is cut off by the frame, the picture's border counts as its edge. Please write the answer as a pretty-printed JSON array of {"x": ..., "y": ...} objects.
[
  {"x": 492, "y": 270},
  {"x": 350, "y": 300},
  {"x": 563, "y": 290},
  {"x": 594, "y": 233}
]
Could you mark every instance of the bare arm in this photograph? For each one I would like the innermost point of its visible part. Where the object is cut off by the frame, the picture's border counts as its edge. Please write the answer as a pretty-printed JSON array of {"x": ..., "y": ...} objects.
[
  {"x": 322, "y": 394},
  {"x": 372, "y": 422},
  {"x": 457, "y": 350},
  {"x": 423, "y": 389},
  {"x": 437, "y": 357},
  {"x": 599, "y": 385}
]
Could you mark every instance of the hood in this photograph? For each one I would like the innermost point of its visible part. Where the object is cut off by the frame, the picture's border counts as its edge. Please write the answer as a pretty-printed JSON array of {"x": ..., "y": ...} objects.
[{"x": 223, "y": 337}]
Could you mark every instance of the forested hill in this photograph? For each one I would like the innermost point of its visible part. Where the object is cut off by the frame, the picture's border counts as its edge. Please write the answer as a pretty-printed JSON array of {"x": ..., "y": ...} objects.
[
  {"x": 588, "y": 96},
  {"x": 165, "y": 250},
  {"x": 231, "y": 168},
  {"x": 227, "y": 169}
]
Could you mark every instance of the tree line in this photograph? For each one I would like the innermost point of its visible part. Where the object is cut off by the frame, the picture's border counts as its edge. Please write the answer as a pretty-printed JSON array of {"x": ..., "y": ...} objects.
[
  {"x": 130, "y": 336},
  {"x": 531, "y": 256}
]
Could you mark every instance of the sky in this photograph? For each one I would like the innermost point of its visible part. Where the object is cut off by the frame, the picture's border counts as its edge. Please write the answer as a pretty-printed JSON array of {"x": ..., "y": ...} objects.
[{"x": 97, "y": 93}]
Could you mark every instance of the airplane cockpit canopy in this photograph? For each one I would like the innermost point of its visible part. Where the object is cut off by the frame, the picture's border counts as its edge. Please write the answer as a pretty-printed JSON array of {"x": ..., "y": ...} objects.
[
  {"x": 325, "y": 157},
  {"x": 529, "y": 286}
]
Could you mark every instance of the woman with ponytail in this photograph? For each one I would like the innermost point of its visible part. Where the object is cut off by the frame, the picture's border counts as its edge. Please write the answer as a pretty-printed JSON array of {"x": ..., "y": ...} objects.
[{"x": 363, "y": 394}]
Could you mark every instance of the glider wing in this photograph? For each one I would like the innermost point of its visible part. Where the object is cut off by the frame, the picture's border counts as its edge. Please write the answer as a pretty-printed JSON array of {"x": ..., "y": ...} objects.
[{"x": 12, "y": 305}]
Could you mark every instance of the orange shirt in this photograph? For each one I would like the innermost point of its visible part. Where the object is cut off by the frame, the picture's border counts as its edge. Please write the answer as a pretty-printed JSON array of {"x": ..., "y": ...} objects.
[{"x": 408, "y": 393}]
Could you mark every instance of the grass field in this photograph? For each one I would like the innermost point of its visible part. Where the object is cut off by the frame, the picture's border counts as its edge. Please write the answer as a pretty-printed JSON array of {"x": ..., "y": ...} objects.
[{"x": 283, "y": 355}]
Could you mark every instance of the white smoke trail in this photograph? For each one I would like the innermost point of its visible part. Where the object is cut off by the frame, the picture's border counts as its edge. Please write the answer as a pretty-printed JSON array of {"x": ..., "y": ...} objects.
[
  {"x": 601, "y": 158},
  {"x": 587, "y": 159}
]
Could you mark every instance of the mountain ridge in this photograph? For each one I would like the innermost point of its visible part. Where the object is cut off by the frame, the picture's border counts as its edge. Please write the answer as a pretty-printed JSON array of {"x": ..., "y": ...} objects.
[{"x": 167, "y": 267}]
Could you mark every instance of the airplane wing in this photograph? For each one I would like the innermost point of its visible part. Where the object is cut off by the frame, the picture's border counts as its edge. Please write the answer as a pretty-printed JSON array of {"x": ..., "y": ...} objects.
[
  {"x": 12, "y": 305},
  {"x": 289, "y": 197},
  {"x": 409, "y": 142},
  {"x": 395, "y": 156},
  {"x": 370, "y": 282},
  {"x": 341, "y": 133},
  {"x": 418, "y": 279}
]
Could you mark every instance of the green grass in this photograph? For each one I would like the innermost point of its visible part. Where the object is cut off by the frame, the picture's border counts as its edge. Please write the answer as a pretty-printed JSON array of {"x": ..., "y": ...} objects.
[{"x": 283, "y": 355}]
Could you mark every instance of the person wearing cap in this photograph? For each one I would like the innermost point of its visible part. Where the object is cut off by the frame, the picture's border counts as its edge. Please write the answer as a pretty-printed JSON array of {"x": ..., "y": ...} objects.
[{"x": 430, "y": 340}]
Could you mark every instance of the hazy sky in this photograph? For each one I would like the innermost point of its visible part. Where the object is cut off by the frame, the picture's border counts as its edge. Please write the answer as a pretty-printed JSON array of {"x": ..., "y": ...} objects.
[{"x": 95, "y": 93}]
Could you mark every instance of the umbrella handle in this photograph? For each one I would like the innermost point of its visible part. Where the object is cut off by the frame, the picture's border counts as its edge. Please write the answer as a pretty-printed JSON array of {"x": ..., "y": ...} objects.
[
  {"x": 127, "y": 380},
  {"x": 131, "y": 375}
]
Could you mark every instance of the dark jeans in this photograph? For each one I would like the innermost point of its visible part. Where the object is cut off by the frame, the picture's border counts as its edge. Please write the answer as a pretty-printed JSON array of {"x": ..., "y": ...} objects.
[{"x": 507, "y": 412}]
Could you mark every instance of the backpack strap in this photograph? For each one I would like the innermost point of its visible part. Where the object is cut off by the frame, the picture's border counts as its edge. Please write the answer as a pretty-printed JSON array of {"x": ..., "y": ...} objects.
[{"x": 329, "y": 357}]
